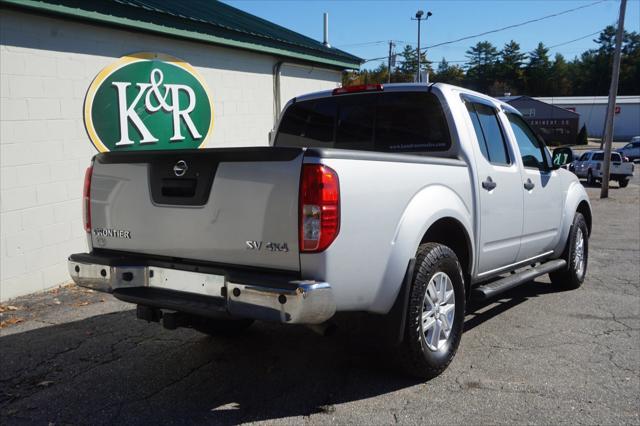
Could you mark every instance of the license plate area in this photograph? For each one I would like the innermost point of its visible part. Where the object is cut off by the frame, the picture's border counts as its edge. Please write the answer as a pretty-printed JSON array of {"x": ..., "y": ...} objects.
[{"x": 186, "y": 281}]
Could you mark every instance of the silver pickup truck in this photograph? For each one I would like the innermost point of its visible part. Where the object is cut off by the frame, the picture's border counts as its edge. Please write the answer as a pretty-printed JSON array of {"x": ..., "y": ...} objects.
[{"x": 402, "y": 201}]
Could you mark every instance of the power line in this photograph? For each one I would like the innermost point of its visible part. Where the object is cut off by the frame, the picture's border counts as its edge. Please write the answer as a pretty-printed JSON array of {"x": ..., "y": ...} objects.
[
  {"x": 553, "y": 15},
  {"x": 575, "y": 39},
  {"x": 464, "y": 61},
  {"x": 508, "y": 27}
]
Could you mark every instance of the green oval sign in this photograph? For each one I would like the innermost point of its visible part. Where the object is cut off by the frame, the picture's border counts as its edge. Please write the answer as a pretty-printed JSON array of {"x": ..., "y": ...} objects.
[{"x": 148, "y": 101}]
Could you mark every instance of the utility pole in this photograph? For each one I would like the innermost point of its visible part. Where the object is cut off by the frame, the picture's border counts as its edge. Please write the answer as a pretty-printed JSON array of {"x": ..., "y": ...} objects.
[
  {"x": 391, "y": 46},
  {"x": 611, "y": 105}
]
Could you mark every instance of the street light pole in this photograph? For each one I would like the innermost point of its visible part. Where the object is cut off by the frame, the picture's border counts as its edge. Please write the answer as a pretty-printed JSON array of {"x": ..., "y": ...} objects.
[{"x": 419, "y": 15}]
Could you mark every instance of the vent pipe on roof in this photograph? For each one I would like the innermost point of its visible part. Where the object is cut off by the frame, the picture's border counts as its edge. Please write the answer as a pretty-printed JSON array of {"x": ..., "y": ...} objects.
[{"x": 326, "y": 29}]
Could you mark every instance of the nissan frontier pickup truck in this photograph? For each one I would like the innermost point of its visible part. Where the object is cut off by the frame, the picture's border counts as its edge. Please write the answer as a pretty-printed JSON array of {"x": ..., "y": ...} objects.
[{"x": 402, "y": 201}]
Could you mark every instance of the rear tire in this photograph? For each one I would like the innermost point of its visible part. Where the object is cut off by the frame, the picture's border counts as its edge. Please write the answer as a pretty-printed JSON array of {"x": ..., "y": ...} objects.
[
  {"x": 576, "y": 254},
  {"x": 221, "y": 327},
  {"x": 623, "y": 182},
  {"x": 435, "y": 314}
]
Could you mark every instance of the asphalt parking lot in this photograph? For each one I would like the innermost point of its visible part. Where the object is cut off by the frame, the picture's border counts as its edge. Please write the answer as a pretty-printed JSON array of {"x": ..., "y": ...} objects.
[{"x": 537, "y": 355}]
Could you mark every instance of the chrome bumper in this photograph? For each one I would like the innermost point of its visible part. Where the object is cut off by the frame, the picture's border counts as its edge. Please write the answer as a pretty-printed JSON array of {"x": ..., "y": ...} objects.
[{"x": 303, "y": 302}]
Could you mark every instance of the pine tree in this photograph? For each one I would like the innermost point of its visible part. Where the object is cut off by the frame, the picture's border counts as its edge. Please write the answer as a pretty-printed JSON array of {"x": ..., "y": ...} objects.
[
  {"x": 538, "y": 72},
  {"x": 483, "y": 58},
  {"x": 510, "y": 68},
  {"x": 451, "y": 74},
  {"x": 560, "y": 85},
  {"x": 409, "y": 65}
]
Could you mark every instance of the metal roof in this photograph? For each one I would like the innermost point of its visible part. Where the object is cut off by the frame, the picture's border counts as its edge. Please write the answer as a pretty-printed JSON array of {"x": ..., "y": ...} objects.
[
  {"x": 588, "y": 100},
  {"x": 552, "y": 111},
  {"x": 208, "y": 21}
]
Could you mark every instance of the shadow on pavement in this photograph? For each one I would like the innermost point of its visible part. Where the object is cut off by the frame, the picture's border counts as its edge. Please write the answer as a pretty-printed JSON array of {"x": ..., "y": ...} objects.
[{"x": 114, "y": 368}]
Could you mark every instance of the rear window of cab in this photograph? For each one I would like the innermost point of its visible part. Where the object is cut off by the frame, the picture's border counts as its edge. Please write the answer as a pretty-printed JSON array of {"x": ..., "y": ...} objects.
[{"x": 385, "y": 122}]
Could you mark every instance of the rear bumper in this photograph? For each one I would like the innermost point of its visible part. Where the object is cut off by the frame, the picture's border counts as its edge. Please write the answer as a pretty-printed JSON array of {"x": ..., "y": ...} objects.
[{"x": 204, "y": 293}]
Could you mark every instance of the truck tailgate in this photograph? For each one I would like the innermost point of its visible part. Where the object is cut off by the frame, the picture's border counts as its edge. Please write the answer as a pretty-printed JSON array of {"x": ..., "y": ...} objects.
[{"x": 228, "y": 205}]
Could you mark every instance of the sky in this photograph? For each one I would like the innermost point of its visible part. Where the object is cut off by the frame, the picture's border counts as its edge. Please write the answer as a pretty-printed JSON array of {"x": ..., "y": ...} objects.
[{"x": 364, "y": 28}]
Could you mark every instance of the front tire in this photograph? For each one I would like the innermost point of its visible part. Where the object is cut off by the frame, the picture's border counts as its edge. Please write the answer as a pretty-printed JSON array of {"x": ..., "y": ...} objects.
[
  {"x": 576, "y": 254},
  {"x": 435, "y": 315},
  {"x": 591, "y": 181}
]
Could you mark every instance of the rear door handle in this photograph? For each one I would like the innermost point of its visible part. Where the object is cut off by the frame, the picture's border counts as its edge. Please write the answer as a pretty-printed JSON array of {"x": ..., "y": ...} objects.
[
  {"x": 528, "y": 185},
  {"x": 489, "y": 184}
]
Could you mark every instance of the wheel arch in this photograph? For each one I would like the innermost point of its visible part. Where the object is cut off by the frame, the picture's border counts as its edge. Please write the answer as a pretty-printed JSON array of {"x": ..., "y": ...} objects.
[
  {"x": 424, "y": 220},
  {"x": 577, "y": 202},
  {"x": 585, "y": 210},
  {"x": 452, "y": 233}
]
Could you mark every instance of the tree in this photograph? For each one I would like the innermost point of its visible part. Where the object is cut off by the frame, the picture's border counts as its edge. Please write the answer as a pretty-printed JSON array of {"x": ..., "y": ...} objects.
[
  {"x": 560, "y": 84},
  {"x": 538, "y": 72},
  {"x": 451, "y": 74},
  {"x": 482, "y": 65},
  {"x": 509, "y": 69},
  {"x": 583, "y": 137},
  {"x": 409, "y": 63}
]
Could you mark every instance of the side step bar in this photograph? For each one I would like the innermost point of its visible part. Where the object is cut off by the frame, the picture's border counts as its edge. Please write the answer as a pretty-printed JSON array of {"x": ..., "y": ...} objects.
[{"x": 494, "y": 288}]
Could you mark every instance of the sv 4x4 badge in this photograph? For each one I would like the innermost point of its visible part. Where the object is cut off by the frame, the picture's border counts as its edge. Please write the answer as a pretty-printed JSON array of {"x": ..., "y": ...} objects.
[{"x": 270, "y": 246}]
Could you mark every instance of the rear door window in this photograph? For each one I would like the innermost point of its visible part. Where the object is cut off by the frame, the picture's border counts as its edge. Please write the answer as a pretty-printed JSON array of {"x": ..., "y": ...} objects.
[
  {"x": 489, "y": 133},
  {"x": 387, "y": 122},
  {"x": 598, "y": 156}
]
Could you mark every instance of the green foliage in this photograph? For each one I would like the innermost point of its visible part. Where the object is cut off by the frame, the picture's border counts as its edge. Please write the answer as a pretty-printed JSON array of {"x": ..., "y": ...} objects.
[
  {"x": 583, "y": 137},
  {"x": 509, "y": 70}
]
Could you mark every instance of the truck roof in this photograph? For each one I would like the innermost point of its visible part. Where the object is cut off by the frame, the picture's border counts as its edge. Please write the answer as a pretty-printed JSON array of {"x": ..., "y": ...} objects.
[{"x": 415, "y": 87}]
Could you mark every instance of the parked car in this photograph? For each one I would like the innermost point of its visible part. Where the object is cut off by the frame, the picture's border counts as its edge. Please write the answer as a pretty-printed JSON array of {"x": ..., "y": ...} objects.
[
  {"x": 401, "y": 201},
  {"x": 589, "y": 166},
  {"x": 632, "y": 149}
]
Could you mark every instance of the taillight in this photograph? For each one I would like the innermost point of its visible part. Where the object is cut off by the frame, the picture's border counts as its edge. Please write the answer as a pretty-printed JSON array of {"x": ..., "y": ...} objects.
[
  {"x": 319, "y": 207},
  {"x": 86, "y": 199}
]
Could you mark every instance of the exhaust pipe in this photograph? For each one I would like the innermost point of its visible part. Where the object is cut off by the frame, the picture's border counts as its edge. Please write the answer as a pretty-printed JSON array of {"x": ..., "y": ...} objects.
[{"x": 326, "y": 30}]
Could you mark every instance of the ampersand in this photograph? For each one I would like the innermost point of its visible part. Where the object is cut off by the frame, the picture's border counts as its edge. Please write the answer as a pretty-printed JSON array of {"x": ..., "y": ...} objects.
[{"x": 155, "y": 79}]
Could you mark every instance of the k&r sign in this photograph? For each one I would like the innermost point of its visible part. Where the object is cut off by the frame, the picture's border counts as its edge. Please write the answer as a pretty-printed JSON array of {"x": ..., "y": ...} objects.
[{"x": 148, "y": 101}]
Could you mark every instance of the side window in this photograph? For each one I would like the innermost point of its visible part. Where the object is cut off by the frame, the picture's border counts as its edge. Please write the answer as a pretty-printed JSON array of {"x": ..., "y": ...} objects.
[
  {"x": 598, "y": 156},
  {"x": 478, "y": 129},
  {"x": 530, "y": 146},
  {"x": 489, "y": 133},
  {"x": 308, "y": 121},
  {"x": 584, "y": 157}
]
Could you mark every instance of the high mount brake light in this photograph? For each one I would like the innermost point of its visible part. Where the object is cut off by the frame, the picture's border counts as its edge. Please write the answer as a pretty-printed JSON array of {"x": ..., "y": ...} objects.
[
  {"x": 86, "y": 199},
  {"x": 319, "y": 221},
  {"x": 358, "y": 88}
]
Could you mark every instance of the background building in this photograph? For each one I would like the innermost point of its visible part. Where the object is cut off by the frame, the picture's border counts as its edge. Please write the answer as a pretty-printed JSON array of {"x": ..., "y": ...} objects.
[
  {"x": 592, "y": 110},
  {"x": 558, "y": 126},
  {"x": 51, "y": 50}
]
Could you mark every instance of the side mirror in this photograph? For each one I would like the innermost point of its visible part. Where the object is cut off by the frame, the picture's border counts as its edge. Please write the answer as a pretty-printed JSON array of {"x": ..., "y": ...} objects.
[{"x": 560, "y": 157}]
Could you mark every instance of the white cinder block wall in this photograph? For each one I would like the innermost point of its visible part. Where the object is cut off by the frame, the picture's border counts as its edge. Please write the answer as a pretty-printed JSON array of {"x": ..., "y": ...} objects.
[{"x": 46, "y": 66}]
